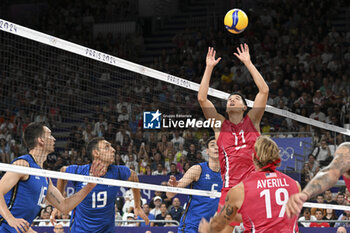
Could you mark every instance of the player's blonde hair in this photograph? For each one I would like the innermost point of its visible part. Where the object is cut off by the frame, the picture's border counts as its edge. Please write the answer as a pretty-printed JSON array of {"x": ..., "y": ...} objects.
[{"x": 266, "y": 152}]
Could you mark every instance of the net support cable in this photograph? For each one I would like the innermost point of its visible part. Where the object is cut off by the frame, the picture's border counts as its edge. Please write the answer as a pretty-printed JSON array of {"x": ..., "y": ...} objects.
[{"x": 121, "y": 63}]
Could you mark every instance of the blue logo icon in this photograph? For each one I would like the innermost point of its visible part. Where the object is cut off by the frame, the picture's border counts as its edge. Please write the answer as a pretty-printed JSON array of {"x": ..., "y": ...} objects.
[{"x": 151, "y": 120}]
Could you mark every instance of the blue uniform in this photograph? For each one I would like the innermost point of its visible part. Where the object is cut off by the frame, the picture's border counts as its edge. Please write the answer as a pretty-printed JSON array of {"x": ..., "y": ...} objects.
[
  {"x": 199, "y": 207},
  {"x": 26, "y": 198},
  {"x": 150, "y": 217},
  {"x": 96, "y": 213}
]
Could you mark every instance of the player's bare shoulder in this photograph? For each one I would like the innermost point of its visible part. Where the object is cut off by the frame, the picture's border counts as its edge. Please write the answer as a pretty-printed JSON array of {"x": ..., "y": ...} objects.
[{"x": 21, "y": 162}]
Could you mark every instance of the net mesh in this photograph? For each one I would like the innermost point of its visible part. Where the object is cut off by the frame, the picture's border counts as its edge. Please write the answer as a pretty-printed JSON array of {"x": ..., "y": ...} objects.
[{"x": 79, "y": 98}]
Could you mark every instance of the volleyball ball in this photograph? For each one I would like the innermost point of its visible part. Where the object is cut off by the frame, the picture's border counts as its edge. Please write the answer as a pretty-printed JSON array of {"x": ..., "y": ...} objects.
[{"x": 236, "y": 21}]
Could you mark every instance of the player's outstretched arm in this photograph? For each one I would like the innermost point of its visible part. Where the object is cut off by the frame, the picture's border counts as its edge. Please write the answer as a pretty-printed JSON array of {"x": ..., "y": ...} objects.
[
  {"x": 7, "y": 182},
  {"x": 61, "y": 186},
  {"x": 260, "y": 101},
  {"x": 227, "y": 214},
  {"x": 137, "y": 198},
  {"x": 191, "y": 175},
  {"x": 207, "y": 106},
  {"x": 325, "y": 179},
  {"x": 55, "y": 197}
]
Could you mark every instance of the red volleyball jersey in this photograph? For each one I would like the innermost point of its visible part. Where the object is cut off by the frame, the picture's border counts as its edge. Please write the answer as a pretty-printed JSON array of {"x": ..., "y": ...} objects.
[
  {"x": 236, "y": 146},
  {"x": 347, "y": 182},
  {"x": 265, "y": 198}
]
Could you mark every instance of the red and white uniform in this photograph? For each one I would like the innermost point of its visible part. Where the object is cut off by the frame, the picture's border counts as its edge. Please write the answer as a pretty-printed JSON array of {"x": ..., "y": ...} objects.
[
  {"x": 265, "y": 198},
  {"x": 347, "y": 183},
  {"x": 236, "y": 146}
]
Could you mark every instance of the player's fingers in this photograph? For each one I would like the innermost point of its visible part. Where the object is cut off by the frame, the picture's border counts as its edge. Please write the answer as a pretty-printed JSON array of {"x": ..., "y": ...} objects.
[
  {"x": 238, "y": 51},
  {"x": 21, "y": 228},
  {"x": 25, "y": 225},
  {"x": 293, "y": 207},
  {"x": 217, "y": 60},
  {"x": 288, "y": 211},
  {"x": 53, "y": 220},
  {"x": 246, "y": 47},
  {"x": 298, "y": 201},
  {"x": 17, "y": 229},
  {"x": 144, "y": 217},
  {"x": 242, "y": 49},
  {"x": 236, "y": 55}
]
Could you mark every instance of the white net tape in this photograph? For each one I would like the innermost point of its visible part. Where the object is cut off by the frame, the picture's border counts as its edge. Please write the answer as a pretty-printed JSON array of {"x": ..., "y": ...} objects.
[
  {"x": 104, "y": 181},
  {"x": 128, "y": 184}
]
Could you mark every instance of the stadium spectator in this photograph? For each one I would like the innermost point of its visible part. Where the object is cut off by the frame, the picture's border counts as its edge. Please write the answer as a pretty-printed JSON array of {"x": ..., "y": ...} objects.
[
  {"x": 344, "y": 216},
  {"x": 173, "y": 170},
  {"x": 176, "y": 210},
  {"x": 319, "y": 199},
  {"x": 169, "y": 218},
  {"x": 306, "y": 216},
  {"x": 150, "y": 216},
  {"x": 341, "y": 230},
  {"x": 340, "y": 201},
  {"x": 323, "y": 153},
  {"x": 328, "y": 197},
  {"x": 319, "y": 216},
  {"x": 161, "y": 216},
  {"x": 45, "y": 216},
  {"x": 330, "y": 215},
  {"x": 157, "y": 200}
]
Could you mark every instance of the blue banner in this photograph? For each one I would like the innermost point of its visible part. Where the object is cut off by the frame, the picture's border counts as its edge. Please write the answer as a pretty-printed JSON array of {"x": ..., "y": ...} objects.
[{"x": 293, "y": 151}]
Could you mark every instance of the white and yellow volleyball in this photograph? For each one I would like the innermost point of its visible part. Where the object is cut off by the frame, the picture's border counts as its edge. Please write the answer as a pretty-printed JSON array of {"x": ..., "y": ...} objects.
[{"x": 236, "y": 21}]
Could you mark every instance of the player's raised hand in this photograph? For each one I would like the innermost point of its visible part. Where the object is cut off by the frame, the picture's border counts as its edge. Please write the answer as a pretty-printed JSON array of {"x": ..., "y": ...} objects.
[
  {"x": 243, "y": 53},
  {"x": 295, "y": 204},
  {"x": 139, "y": 212},
  {"x": 204, "y": 226},
  {"x": 20, "y": 224},
  {"x": 172, "y": 181},
  {"x": 210, "y": 60}
]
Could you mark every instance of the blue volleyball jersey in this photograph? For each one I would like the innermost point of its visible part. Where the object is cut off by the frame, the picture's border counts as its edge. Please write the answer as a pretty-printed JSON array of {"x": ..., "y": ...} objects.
[
  {"x": 26, "y": 198},
  {"x": 199, "y": 207},
  {"x": 96, "y": 213}
]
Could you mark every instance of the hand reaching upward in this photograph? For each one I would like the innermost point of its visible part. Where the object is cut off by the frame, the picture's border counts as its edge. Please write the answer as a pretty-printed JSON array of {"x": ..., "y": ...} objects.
[
  {"x": 210, "y": 60},
  {"x": 243, "y": 53}
]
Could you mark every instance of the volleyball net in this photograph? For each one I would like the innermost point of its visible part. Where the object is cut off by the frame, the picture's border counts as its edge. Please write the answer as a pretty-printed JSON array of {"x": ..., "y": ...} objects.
[{"x": 81, "y": 93}]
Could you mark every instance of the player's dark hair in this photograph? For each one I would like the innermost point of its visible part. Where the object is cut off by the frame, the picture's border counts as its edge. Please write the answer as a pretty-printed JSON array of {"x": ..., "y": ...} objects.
[
  {"x": 92, "y": 144},
  {"x": 318, "y": 210},
  {"x": 31, "y": 134},
  {"x": 241, "y": 95},
  {"x": 209, "y": 140}
]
